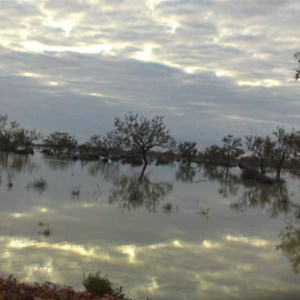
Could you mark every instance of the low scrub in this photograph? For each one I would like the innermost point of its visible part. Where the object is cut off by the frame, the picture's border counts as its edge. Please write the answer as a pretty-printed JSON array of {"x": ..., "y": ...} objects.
[{"x": 99, "y": 285}]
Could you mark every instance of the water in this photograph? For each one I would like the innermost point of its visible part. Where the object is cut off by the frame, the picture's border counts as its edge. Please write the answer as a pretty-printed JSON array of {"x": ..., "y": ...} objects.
[{"x": 224, "y": 238}]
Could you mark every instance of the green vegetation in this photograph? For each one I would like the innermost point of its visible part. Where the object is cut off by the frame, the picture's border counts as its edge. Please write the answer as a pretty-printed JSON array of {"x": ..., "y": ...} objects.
[{"x": 99, "y": 285}]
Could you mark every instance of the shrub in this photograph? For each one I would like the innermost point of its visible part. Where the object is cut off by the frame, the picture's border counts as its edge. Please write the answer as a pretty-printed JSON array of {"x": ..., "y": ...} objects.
[{"x": 99, "y": 286}]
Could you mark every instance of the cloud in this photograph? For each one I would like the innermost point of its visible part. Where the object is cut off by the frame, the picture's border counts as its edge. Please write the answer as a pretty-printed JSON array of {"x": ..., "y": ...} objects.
[{"x": 101, "y": 59}]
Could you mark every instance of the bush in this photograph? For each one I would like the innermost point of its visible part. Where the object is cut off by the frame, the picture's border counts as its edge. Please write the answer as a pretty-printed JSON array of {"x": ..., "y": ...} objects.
[{"x": 99, "y": 286}]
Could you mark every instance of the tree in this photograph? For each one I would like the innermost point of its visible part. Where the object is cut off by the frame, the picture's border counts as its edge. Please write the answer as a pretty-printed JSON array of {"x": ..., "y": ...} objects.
[
  {"x": 232, "y": 147},
  {"x": 8, "y": 133},
  {"x": 105, "y": 144},
  {"x": 213, "y": 154},
  {"x": 139, "y": 133},
  {"x": 26, "y": 137},
  {"x": 283, "y": 148},
  {"x": 187, "y": 150},
  {"x": 60, "y": 140},
  {"x": 260, "y": 148}
]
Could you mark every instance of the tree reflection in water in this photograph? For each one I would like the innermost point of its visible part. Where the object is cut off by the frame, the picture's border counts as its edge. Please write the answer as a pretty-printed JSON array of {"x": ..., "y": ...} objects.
[
  {"x": 290, "y": 245},
  {"x": 109, "y": 170},
  {"x": 185, "y": 173},
  {"x": 12, "y": 164},
  {"x": 17, "y": 163},
  {"x": 275, "y": 198},
  {"x": 132, "y": 192},
  {"x": 229, "y": 182},
  {"x": 56, "y": 164}
]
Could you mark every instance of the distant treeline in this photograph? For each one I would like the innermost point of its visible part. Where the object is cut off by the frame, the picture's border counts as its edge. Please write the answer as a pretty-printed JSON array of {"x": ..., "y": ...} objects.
[{"x": 139, "y": 139}]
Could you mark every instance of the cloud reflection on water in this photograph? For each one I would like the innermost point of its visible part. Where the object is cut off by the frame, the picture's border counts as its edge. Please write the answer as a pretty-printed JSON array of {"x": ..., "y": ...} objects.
[
  {"x": 219, "y": 269},
  {"x": 230, "y": 255}
]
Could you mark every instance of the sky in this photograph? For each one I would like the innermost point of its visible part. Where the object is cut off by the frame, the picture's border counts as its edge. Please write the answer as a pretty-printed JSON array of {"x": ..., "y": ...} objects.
[{"x": 211, "y": 67}]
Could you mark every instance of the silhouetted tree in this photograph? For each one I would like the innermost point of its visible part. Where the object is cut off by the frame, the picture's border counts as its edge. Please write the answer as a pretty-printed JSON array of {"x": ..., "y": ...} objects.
[
  {"x": 283, "y": 148},
  {"x": 232, "y": 147},
  {"x": 213, "y": 154},
  {"x": 26, "y": 137},
  {"x": 8, "y": 133},
  {"x": 186, "y": 151},
  {"x": 260, "y": 148},
  {"x": 60, "y": 141},
  {"x": 106, "y": 144},
  {"x": 139, "y": 133}
]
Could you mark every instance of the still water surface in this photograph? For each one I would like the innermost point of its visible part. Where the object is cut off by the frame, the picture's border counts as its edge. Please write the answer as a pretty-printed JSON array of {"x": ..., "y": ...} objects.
[{"x": 224, "y": 238}]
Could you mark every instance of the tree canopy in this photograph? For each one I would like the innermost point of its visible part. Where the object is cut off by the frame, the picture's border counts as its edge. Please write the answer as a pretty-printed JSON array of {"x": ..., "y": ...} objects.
[{"x": 139, "y": 133}]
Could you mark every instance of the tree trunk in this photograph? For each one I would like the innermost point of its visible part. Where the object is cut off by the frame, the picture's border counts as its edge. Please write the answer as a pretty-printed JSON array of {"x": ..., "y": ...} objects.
[
  {"x": 144, "y": 154},
  {"x": 279, "y": 166},
  {"x": 143, "y": 172},
  {"x": 262, "y": 167},
  {"x": 278, "y": 170}
]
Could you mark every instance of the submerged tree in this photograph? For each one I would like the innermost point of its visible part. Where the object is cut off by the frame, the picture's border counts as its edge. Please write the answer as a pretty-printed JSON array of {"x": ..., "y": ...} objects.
[
  {"x": 106, "y": 144},
  {"x": 260, "y": 148},
  {"x": 213, "y": 154},
  {"x": 27, "y": 137},
  {"x": 186, "y": 151},
  {"x": 232, "y": 147},
  {"x": 139, "y": 133},
  {"x": 283, "y": 148},
  {"x": 60, "y": 141},
  {"x": 8, "y": 133}
]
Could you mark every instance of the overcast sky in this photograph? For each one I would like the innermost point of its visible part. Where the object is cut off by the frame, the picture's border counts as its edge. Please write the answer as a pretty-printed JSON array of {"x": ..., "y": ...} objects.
[{"x": 210, "y": 67}]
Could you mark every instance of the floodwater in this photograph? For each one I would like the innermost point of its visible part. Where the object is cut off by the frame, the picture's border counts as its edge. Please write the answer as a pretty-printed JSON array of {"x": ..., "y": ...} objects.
[{"x": 221, "y": 238}]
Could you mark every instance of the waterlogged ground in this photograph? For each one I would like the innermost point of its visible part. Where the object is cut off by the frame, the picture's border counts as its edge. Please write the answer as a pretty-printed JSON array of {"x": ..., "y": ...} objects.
[{"x": 223, "y": 238}]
